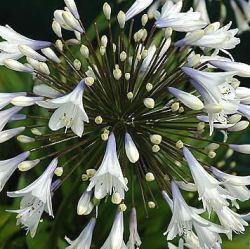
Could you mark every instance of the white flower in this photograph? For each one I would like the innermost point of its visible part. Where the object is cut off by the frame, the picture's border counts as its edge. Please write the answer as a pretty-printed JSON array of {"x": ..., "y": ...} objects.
[
  {"x": 245, "y": 110},
  {"x": 219, "y": 96},
  {"x": 171, "y": 16},
  {"x": 210, "y": 192},
  {"x": 242, "y": 148},
  {"x": 70, "y": 112},
  {"x": 85, "y": 206},
  {"x": 243, "y": 93},
  {"x": 134, "y": 238},
  {"x": 115, "y": 238},
  {"x": 5, "y": 98},
  {"x": 40, "y": 189},
  {"x": 109, "y": 177},
  {"x": 137, "y": 7},
  {"x": 202, "y": 8},
  {"x": 6, "y": 115},
  {"x": 242, "y": 22},
  {"x": 187, "y": 99},
  {"x": 8, "y": 134},
  {"x": 9, "y": 47},
  {"x": 235, "y": 185},
  {"x": 131, "y": 150},
  {"x": 231, "y": 221},
  {"x": 85, "y": 238},
  {"x": 221, "y": 39},
  {"x": 7, "y": 167},
  {"x": 241, "y": 69},
  {"x": 46, "y": 91}
]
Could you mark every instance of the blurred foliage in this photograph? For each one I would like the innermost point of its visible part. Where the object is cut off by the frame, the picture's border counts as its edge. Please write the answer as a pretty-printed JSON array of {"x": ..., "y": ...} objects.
[{"x": 33, "y": 18}]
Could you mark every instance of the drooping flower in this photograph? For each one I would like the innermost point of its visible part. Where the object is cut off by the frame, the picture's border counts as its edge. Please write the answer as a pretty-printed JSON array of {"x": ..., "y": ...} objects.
[
  {"x": 85, "y": 238},
  {"x": 109, "y": 177},
  {"x": 9, "y": 47},
  {"x": 70, "y": 112},
  {"x": 7, "y": 167},
  {"x": 171, "y": 16},
  {"x": 85, "y": 206},
  {"x": 39, "y": 191}
]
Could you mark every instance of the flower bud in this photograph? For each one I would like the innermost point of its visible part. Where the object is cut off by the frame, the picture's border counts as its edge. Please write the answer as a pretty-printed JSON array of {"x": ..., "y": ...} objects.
[
  {"x": 144, "y": 20},
  {"x": 71, "y": 21},
  {"x": 50, "y": 54},
  {"x": 234, "y": 118},
  {"x": 57, "y": 28},
  {"x": 127, "y": 76},
  {"x": 130, "y": 95},
  {"x": 123, "y": 56},
  {"x": 58, "y": 171},
  {"x": 107, "y": 11},
  {"x": 105, "y": 136},
  {"x": 149, "y": 103},
  {"x": 36, "y": 131},
  {"x": 102, "y": 50},
  {"x": 116, "y": 198},
  {"x": 85, "y": 177},
  {"x": 84, "y": 51},
  {"x": 121, "y": 17},
  {"x": 90, "y": 172},
  {"x": 104, "y": 41},
  {"x": 27, "y": 165},
  {"x": 17, "y": 66},
  {"x": 122, "y": 207},
  {"x": 149, "y": 87},
  {"x": 29, "y": 52},
  {"x": 89, "y": 81},
  {"x": 117, "y": 73},
  {"x": 156, "y": 148},
  {"x": 59, "y": 45},
  {"x": 175, "y": 107},
  {"x": 77, "y": 64},
  {"x": 150, "y": 177},
  {"x": 179, "y": 144},
  {"x": 43, "y": 68},
  {"x": 23, "y": 101},
  {"x": 131, "y": 150},
  {"x": 240, "y": 126},
  {"x": 25, "y": 139},
  {"x": 151, "y": 205},
  {"x": 156, "y": 139},
  {"x": 168, "y": 32},
  {"x": 8, "y": 134},
  {"x": 98, "y": 120},
  {"x": 211, "y": 154}
]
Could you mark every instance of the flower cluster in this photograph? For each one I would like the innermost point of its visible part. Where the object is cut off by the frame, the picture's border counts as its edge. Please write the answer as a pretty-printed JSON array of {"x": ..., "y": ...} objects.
[{"x": 139, "y": 106}]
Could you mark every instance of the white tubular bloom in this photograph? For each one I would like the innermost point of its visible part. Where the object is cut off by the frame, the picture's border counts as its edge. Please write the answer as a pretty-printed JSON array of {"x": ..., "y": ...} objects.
[
  {"x": 50, "y": 54},
  {"x": 46, "y": 91},
  {"x": 85, "y": 206},
  {"x": 235, "y": 185},
  {"x": 134, "y": 238},
  {"x": 202, "y": 8},
  {"x": 5, "y": 98},
  {"x": 137, "y": 7},
  {"x": 171, "y": 16},
  {"x": 7, "y": 115},
  {"x": 70, "y": 112},
  {"x": 219, "y": 96},
  {"x": 40, "y": 189},
  {"x": 241, "y": 69},
  {"x": 17, "y": 66},
  {"x": 210, "y": 192},
  {"x": 242, "y": 148},
  {"x": 109, "y": 177},
  {"x": 222, "y": 39},
  {"x": 85, "y": 238},
  {"x": 70, "y": 20},
  {"x": 7, "y": 167},
  {"x": 8, "y": 134},
  {"x": 9, "y": 47},
  {"x": 131, "y": 150},
  {"x": 187, "y": 99},
  {"x": 242, "y": 22},
  {"x": 72, "y": 7},
  {"x": 29, "y": 52},
  {"x": 115, "y": 238},
  {"x": 24, "y": 101}
]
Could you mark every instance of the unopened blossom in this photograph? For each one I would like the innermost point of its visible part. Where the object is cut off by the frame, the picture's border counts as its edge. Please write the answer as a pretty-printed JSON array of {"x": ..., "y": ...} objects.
[
  {"x": 5, "y": 98},
  {"x": 130, "y": 148},
  {"x": 171, "y": 16},
  {"x": 40, "y": 189},
  {"x": 134, "y": 238},
  {"x": 109, "y": 177},
  {"x": 69, "y": 112},
  {"x": 137, "y": 7},
  {"x": 12, "y": 39},
  {"x": 8, "y": 134},
  {"x": 7, "y": 167},
  {"x": 84, "y": 239},
  {"x": 115, "y": 238}
]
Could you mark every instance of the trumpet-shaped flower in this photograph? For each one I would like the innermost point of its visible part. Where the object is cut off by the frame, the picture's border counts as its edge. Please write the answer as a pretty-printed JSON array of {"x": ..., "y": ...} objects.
[
  {"x": 9, "y": 47},
  {"x": 137, "y": 7},
  {"x": 210, "y": 192},
  {"x": 40, "y": 189},
  {"x": 70, "y": 112},
  {"x": 85, "y": 238},
  {"x": 7, "y": 167},
  {"x": 85, "y": 206},
  {"x": 134, "y": 238},
  {"x": 7, "y": 115},
  {"x": 115, "y": 238},
  {"x": 171, "y": 16},
  {"x": 109, "y": 177}
]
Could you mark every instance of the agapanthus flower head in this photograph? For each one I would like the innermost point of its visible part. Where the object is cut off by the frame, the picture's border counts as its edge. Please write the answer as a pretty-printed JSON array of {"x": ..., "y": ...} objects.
[{"x": 125, "y": 111}]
